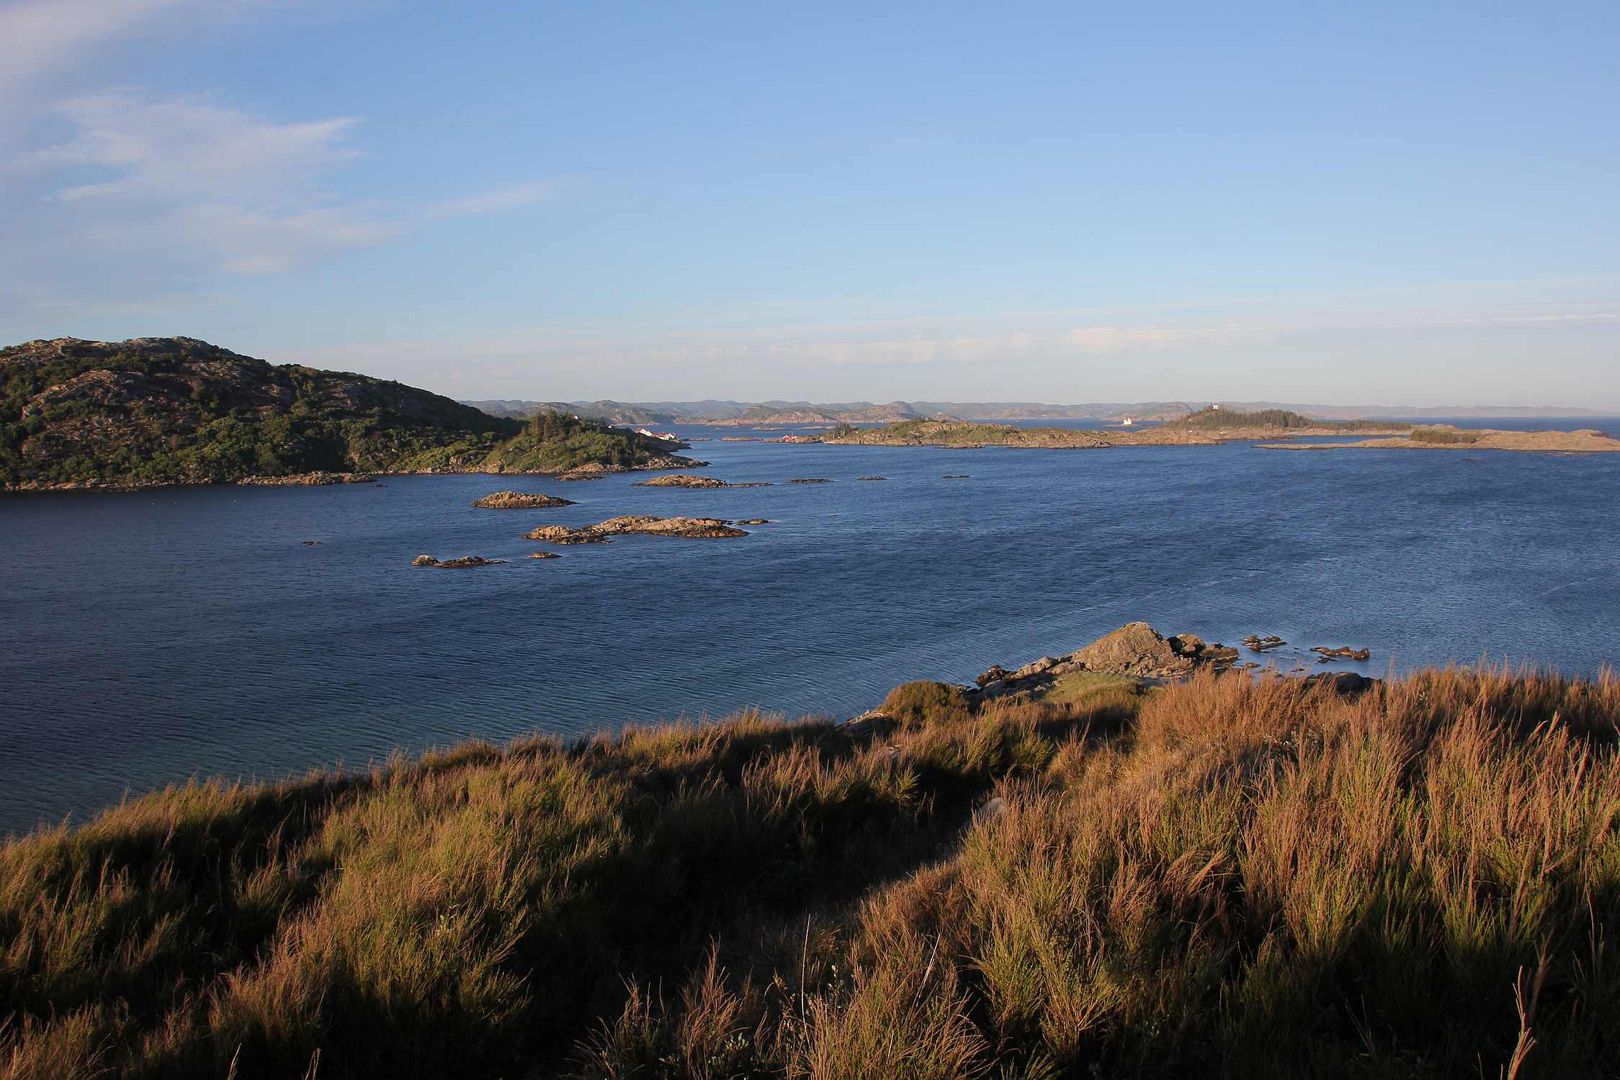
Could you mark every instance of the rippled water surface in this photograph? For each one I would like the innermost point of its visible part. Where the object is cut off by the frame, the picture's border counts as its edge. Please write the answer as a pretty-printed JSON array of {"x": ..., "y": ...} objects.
[{"x": 150, "y": 636}]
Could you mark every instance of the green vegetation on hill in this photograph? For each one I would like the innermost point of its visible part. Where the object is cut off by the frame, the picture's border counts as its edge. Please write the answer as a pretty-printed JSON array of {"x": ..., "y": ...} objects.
[
  {"x": 1225, "y": 877},
  {"x": 555, "y": 442},
  {"x": 1214, "y": 418},
  {"x": 182, "y": 411}
]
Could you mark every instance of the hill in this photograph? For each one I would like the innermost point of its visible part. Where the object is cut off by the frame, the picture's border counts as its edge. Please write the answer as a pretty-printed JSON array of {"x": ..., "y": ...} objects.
[
  {"x": 181, "y": 411},
  {"x": 606, "y": 411},
  {"x": 1225, "y": 876}
]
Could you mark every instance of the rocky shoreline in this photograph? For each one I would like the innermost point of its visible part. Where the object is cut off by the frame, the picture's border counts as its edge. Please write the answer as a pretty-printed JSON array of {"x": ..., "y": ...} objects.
[{"x": 1137, "y": 654}]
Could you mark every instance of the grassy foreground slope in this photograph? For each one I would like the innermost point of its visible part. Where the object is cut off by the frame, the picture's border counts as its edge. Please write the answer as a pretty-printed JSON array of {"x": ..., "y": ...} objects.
[
  {"x": 182, "y": 411},
  {"x": 1224, "y": 877}
]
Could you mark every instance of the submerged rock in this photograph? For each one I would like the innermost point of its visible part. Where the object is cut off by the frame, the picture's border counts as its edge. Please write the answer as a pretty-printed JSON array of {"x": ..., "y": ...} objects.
[
  {"x": 518, "y": 500},
  {"x": 810, "y": 480},
  {"x": 544, "y": 555},
  {"x": 1257, "y": 643},
  {"x": 755, "y": 521},
  {"x": 1343, "y": 652},
  {"x": 871, "y": 478}
]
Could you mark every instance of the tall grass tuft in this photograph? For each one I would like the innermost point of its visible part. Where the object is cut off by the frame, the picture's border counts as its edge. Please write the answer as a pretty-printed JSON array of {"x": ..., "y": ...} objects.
[{"x": 1230, "y": 876}]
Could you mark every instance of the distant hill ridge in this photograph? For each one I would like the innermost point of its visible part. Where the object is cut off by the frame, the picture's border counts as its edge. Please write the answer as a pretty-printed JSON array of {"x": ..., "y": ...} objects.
[
  {"x": 176, "y": 410},
  {"x": 742, "y": 413}
]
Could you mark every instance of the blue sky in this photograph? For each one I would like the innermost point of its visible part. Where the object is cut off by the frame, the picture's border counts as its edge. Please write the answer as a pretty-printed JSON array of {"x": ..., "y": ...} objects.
[{"x": 1411, "y": 203}]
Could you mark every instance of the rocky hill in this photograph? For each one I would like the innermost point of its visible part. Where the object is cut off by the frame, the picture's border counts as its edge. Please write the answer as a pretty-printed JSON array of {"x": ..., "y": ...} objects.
[{"x": 177, "y": 410}]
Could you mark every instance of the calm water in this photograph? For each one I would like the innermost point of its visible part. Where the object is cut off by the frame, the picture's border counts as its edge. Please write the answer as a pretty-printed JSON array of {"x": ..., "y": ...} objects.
[{"x": 147, "y": 637}]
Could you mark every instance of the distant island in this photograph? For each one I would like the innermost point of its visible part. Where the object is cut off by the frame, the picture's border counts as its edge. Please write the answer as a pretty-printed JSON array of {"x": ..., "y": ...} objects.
[
  {"x": 1206, "y": 426},
  {"x": 1447, "y": 437},
  {"x": 1213, "y": 425},
  {"x": 176, "y": 410}
]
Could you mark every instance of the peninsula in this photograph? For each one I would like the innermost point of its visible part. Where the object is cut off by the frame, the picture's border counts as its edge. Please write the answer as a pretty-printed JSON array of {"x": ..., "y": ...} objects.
[{"x": 153, "y": 411}]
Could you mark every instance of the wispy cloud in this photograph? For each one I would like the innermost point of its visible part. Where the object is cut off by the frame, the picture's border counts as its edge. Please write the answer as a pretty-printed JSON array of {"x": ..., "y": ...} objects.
[
  {"x": 494, "y": 201},
  {"x": 42, "y": 34},
  {"x": 206, "y": 183},
  {"x": 179, "y": 149}
]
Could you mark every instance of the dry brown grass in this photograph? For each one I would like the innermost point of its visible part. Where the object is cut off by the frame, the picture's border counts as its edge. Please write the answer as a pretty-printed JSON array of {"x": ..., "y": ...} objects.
[{"x": 1226, "y": 877}]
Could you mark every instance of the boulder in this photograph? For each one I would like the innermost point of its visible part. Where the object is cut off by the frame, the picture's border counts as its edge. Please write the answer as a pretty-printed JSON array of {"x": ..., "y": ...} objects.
[
  {"x": 1344, "y": 683},
  {"x": 996, "y": 673}
]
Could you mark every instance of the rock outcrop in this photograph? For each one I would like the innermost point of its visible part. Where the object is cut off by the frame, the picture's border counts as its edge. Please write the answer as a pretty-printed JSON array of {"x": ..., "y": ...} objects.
[
  {"x": 519, "y": 500},
  {"x": 686, "y": 527},
  {"x": 1135, "y": 650}
]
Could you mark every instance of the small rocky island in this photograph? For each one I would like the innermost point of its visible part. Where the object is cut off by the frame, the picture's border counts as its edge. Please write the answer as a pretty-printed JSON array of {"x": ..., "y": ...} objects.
[
  {"x": 684, "y": 480},
  {"x": 519, "y": 500},
  {"x": 466, "y": 562},
  {"x": 642, "y": 524}
]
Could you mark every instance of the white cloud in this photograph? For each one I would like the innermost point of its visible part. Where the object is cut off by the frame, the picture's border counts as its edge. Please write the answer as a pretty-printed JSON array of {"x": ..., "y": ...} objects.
[
  {"x": 42, "y": 34},
  {"x": 186, "y": 149},
  {"x": 204, "y": 185},
  {"x": 494, "y": 201}
]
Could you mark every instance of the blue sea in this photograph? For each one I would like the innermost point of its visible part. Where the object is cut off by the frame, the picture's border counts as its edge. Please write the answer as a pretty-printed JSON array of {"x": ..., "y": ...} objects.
[{"x": 147, "y": 637}]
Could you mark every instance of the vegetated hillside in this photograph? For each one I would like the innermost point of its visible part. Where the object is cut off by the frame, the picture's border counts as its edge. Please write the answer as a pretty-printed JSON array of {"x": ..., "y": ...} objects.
[
  {"x": 553, "y": 442},
  {"x": 1215, "y": 418},
  {"x": 607, "y": 411},
  {"x": 1224, "y": 877},
  {"x": 921, "y": 432},
  {"x": 179, "y": 410},
  {"x": 182, "y": 411}
]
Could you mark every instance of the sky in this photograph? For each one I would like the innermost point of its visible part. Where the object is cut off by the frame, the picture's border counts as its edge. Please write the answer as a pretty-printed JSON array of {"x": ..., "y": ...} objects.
[{"x": 1412, "y": 203}]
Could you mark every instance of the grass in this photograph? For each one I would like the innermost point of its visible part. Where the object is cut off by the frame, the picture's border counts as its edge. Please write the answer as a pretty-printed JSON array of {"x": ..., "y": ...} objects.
[
  {"x": 1224, "y": 877},
  {"x": 1444, "y": 436}
]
